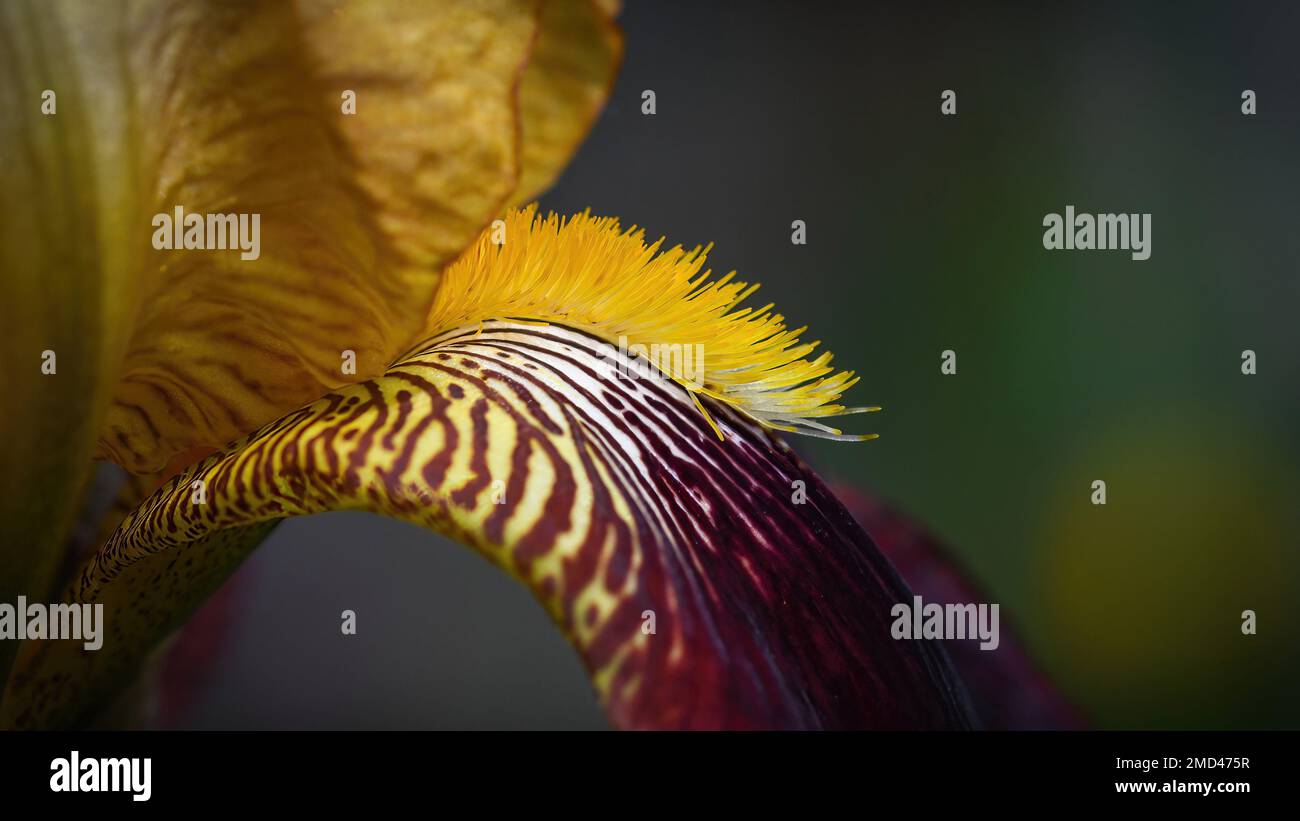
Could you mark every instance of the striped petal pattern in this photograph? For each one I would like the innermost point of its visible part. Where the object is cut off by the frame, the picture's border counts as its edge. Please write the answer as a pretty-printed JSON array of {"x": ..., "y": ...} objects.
[
  {"x": 697, "y": 591},
  {"x": 372, "y": 140}
]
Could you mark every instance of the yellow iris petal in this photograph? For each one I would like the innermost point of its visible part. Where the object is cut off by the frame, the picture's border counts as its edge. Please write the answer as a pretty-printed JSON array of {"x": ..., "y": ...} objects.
[
  {"x": 370, "y": 140},
  {"x": 52, "y": 304},
  {"x": 574, "y": 61},
  {"x": 373, "y": 140}
]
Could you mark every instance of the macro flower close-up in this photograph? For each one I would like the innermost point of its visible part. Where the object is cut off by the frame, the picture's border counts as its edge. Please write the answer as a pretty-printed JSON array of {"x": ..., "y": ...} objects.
[
  {"x": 452, "y": 263},
  {"x": 379, "y": 326}
]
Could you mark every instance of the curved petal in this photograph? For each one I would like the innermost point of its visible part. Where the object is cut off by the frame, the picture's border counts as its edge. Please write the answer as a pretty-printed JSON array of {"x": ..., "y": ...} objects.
[
  {"x": 345, "y": 210},
  {"x": 567, "y": 81},
  {"x": 435, "y": 139},
  {"x": 696, "y": 588},
  {"x": 1008, "y": 689},
  {"x": 120, "y": 112},
  {"x": 241, "y": 111}
]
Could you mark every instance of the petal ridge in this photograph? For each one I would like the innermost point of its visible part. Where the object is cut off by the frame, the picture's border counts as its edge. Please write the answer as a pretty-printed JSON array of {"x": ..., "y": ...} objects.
[{"x": 609, "y": 498}]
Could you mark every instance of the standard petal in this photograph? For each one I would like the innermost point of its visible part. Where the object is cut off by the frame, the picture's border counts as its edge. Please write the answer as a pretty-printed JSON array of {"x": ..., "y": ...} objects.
[
  {"x": 55, "y": 346},
  {"x": 574, "y": 62},
  {"x": 369, "y": 141},
  {"x": 705, "y": 582},
  {"x": 435, "y": 139}
]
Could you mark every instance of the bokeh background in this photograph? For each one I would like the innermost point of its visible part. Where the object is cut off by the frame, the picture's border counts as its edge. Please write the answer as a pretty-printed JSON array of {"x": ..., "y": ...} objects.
[{"x": 924, "y": 234}]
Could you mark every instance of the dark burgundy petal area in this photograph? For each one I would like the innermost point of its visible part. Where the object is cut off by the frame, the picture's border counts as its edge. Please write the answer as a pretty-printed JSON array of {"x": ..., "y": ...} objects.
[
  {"x": 1009, "y": 691},
  {"x": 784, "y": 607}
]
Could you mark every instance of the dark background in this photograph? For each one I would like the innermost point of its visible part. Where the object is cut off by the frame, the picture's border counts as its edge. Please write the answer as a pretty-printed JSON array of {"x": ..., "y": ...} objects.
[{"x": 924, "y": 234}]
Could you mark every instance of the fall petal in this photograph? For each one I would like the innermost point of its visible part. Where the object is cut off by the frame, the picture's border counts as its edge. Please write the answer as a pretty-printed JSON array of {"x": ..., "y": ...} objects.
[
  {"x": 1008, "y": 689},
  {"x": 612, "y": 499}
]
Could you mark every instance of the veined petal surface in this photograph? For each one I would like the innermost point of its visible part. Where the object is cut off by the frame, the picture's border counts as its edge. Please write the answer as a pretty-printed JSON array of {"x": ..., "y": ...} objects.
[
  {"x": 574, "y": 62},
  {"x": 361, "y": 145},
  {"x": 706, "y": 582},
  {"x": 371, "y": 139}
]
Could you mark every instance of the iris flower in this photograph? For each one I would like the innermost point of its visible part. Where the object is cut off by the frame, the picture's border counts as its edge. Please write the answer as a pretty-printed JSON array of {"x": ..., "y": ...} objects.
[{"x": 499, "y": 392}]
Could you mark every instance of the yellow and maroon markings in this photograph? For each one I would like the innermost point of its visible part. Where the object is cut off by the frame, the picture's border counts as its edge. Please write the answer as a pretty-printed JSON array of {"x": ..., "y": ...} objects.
[{"x": 611, "y": 498}]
